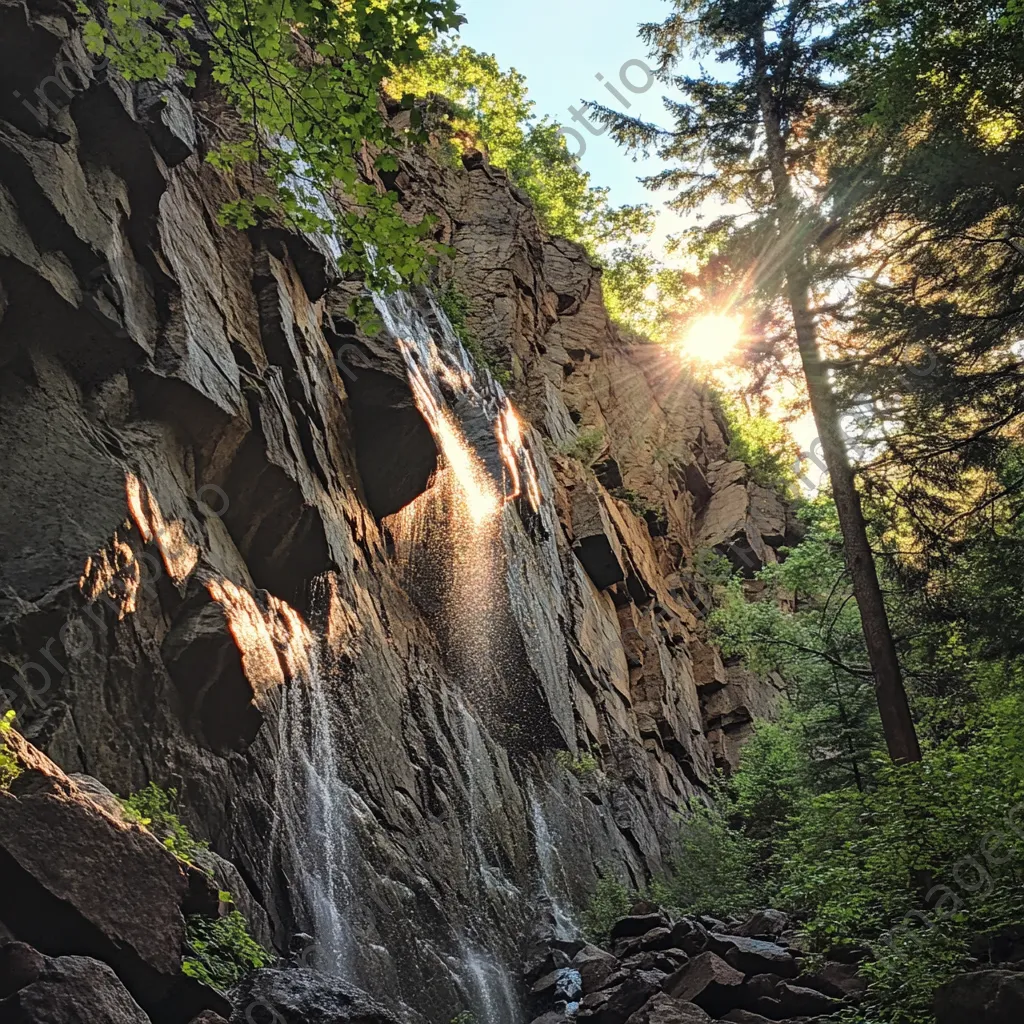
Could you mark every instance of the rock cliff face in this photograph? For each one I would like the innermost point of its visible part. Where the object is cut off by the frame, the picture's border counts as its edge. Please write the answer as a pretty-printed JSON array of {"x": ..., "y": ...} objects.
[{"x": 235, "y": 559}]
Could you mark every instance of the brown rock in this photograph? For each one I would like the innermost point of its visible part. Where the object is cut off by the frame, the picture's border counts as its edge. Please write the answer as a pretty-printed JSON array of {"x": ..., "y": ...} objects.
[
  {"x": 708, "y": 981},
  {"x": 663, "y": 1009},
  {"x": 594, "y": 539},
  {"x": 78, "y": 879}
]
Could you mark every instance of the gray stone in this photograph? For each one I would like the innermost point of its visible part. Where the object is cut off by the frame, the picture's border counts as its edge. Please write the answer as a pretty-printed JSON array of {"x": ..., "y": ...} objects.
[
  {"x": 303, "y": 996},
  {"x": 663, "y": 1009},
  {"x": 64, "y": 990},
  {"x": 754, "y": 956},
  {"x": 995, "y": 997}
]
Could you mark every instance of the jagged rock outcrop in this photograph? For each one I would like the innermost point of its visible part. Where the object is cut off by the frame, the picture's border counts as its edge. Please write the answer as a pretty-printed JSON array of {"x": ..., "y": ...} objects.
[{"x": 201, "y": 586}]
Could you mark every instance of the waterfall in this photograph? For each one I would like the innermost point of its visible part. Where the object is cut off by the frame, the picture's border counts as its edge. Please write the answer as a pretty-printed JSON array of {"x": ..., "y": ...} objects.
[
  {"x": 492, "y": 989},
  {"x": 312, "y": 836},
  {"x": 553, "y": 879}
]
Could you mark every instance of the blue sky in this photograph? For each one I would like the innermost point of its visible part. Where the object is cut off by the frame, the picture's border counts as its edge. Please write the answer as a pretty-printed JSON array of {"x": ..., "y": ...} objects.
[{"x": 560, "y": 45}]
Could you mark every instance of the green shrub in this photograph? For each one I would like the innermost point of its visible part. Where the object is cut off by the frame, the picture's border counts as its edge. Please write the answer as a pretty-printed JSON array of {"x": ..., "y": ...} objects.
[
  {"x": 223, "y": 951},
  {"x": 715, "y": 569},
  {"x": 587, "y": 445},
  {"x": 610, "y": 901},
  {"x": 156, "y": 810},
  {"x": 765, "y": 445},
  {"x": 582, "y": 767},
  {"x": 9, "y": 767},
  {"x": 713, "y": 868}
]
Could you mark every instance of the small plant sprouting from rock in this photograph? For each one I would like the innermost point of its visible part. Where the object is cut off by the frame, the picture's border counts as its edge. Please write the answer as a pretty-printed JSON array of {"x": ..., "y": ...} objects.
[
  {"x": 715, "y": 569},
  {"x": 610, "y": 901},
  {"x": 155, "y": 809},
  {"x": 587, "y": 445},
  {"x": 455, "y": 306},
  {"x": 9, "y": 767},
  {"x": 466, "y": 1017},
  {"x": 584, "y": 766},
  {"x": 223, "y": 951}
]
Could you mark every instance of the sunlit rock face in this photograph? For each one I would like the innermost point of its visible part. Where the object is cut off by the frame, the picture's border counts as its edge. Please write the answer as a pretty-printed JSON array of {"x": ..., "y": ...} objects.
[{"x": 417, "y": 672}]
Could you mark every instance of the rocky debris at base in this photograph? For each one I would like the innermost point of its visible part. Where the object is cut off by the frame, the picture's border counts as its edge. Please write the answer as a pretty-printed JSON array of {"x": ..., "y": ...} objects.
[{"x": 665, "y": 970}]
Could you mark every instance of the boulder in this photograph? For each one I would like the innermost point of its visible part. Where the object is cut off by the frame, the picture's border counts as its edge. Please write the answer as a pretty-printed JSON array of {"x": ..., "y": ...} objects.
[
  {"x": 690, "y": 936},
  {"x": 595, "y": 967},
  {"x": 303, "y": 996},
  {"x": 759, "y": 986},
  {"x": 709, "y": 982},
  {"x": 765, "y": 924},
  {"x": 35, "y": 989},
  {"x": 209, "y": 1017},
  {"x": 663, "y": 1009},
  {"x": 992, "y": 997},
  {"x": 796, "y": 1001},
  {"x": 617, "y": 1005},
  {"x": 745, "y": 1017},
  {"x": 79, "y": 881},
  {"x": 636, "y": 925},
  {"x": 841, "y": 981},
  {"x": 754, "y": 956},
  {"x": 657, "y": 939}
]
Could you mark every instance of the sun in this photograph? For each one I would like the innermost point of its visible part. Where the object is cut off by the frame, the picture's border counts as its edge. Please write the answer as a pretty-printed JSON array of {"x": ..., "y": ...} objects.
[{"x": 711, "y": 338}]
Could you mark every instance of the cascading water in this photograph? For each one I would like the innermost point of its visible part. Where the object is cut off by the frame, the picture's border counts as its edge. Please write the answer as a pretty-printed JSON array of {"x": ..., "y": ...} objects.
[
  {"x": 492, "y": 989},
  {"x": 312, "y": 835},
  {"x": 450, "y": 542},
  {"x": 553, "y": 879}
]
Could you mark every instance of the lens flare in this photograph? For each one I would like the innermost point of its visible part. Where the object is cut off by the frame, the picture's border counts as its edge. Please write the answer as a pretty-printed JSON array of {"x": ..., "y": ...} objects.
[{"x": 712, "y": 338}]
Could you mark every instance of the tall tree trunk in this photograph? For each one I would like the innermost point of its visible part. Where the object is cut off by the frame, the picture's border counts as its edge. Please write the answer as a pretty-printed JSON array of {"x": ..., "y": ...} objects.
[{"x": 894, "y": 708}]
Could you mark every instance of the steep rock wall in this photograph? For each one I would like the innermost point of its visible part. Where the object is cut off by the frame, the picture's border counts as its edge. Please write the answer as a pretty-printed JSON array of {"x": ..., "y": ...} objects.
[{"x": 199, "y": 588}]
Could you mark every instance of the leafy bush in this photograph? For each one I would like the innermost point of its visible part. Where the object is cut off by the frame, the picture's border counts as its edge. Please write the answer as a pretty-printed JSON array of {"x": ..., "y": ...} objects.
[
  {"x": 583, "y": 766},
  {"x": 304, "y": 121},
  {"x": 156, "y": 810},
  {"x": 713, "y": 868},
  {"x": 587, "y": 445},
  {"x": 610, "y": 901},
  {"x": 9, "y": 767},
  {"x": 765, "y": 445},
  {"x": 223, "y": 951},
  {"x": 715, "y": 569}
]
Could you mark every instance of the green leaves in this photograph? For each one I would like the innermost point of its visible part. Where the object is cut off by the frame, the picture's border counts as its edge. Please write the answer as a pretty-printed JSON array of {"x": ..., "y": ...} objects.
[
  {"x": 307, "y": 104},
  {"x": 155, "y": 809},
  {"x": 9, "y": 767},
  {"x": 223, "y": 951}
]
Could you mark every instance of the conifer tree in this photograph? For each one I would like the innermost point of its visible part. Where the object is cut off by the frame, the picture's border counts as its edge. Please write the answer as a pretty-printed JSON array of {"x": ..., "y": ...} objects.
[{"x": 752, "y": 134}]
